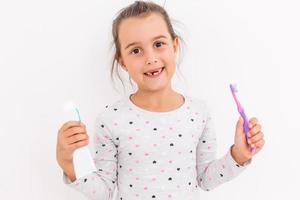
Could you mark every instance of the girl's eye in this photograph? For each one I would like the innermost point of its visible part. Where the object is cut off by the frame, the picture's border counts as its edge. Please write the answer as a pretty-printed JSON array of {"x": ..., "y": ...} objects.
[
  {"x": 135, "y": 51},
  {"x": 160, "y": 44}
]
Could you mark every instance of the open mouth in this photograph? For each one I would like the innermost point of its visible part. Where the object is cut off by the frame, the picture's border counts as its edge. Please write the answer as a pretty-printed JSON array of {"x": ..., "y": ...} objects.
[{"x": 155, "y": 73}]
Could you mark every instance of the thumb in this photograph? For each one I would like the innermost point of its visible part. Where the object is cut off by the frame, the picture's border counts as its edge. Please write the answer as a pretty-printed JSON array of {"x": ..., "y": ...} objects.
[{"x": 239, "y": 126}]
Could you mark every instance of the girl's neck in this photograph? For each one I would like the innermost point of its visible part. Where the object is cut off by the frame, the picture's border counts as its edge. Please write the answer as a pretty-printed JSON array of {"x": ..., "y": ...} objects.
[{"x": 160, "y": 101}]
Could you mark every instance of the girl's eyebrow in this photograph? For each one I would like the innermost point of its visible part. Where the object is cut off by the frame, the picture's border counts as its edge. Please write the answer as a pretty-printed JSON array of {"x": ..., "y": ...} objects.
[{"x": 155, "y": 38}]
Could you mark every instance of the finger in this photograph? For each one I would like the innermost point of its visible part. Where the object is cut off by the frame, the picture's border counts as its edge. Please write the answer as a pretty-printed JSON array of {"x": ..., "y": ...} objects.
[
  {"x": 256, "y": 129},
  {"x": 79, "y": 144},
  {"x": 73, "y": 131},
  {"x": 259, "y": 144},
  {"x": 256, "y": 138},
  {"x": 252, "y": 121},
  {"x": 71, "y": 124},
  {"x": 239, "y": 125},
  {"x": 76, "y": 138}
]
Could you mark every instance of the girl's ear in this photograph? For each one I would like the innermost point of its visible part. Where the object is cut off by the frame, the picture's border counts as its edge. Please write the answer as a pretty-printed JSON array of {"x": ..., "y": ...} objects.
[
  {"x": 120, "y": 62},
  {"x": 176, "y": 44}
]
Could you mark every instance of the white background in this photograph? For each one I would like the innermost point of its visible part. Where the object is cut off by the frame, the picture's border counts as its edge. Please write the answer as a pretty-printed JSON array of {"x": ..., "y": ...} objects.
[{"x": 55, "y": 51}]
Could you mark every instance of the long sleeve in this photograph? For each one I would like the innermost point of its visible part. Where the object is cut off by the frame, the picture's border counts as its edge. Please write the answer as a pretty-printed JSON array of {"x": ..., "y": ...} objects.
[
  {"x": 212, "y": 172},
  {"x": 100, "y": 184}
]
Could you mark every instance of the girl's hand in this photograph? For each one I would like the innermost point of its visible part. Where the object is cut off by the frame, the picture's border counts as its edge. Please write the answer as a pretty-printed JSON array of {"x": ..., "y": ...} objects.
[
  {"x": 71, "y": 136},
  {"x": 241, "y": 151}
]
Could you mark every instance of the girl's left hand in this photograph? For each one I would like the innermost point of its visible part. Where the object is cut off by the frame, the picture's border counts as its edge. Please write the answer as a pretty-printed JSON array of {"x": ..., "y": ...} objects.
[{"x": 241, "y": 150}]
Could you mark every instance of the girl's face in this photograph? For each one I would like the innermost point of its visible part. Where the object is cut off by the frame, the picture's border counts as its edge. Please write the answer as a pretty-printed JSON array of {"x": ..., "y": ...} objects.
[{"x": 145, "y": 45}]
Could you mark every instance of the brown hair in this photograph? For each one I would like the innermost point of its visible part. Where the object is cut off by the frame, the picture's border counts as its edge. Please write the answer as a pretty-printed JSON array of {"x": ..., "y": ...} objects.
[{"x": 136, "y": 9}]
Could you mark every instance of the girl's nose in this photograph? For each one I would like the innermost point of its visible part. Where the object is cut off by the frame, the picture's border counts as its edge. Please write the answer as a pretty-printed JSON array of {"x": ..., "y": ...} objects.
[{"x": 152, "y": 61}]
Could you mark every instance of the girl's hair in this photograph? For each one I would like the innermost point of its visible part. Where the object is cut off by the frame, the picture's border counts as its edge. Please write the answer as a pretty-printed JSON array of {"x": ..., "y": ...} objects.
[{"x": 136, "y": 9}]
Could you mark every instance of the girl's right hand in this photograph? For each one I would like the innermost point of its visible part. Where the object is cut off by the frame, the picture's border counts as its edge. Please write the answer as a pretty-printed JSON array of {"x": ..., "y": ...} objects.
[{"x": 71, "y": 136}]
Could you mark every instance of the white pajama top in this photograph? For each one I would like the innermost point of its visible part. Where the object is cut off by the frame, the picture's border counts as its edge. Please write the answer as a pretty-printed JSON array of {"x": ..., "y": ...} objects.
[{"x": 155, "y": 155}]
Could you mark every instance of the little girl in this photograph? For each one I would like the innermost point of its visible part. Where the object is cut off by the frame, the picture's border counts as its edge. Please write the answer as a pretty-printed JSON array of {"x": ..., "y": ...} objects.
[{"x": 155, "y": 143}]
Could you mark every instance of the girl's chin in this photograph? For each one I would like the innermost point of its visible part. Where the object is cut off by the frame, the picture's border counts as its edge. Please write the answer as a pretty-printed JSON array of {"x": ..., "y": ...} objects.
[{"x": 157, "y": 84}]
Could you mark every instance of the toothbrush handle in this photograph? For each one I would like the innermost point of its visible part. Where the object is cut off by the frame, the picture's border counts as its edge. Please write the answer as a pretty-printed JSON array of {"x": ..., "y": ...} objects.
[
  {"x": 246, "y": 123},
  {"x": 246, "y": 128}
]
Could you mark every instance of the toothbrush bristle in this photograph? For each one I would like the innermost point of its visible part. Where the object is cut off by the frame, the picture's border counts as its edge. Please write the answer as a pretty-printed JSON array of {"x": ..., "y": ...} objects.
[
  {"x": 233, "y": 87},
  {"x": 69, "y": 105}
]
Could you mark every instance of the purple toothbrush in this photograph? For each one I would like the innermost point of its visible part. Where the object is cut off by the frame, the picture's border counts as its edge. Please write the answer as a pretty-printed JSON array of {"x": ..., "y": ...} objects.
[{"x": 242, "y": 113}]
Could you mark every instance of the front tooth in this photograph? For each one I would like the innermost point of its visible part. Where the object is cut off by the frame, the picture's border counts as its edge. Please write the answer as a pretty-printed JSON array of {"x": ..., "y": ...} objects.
[{"x": 158, "y": 71}]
